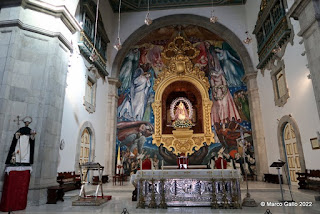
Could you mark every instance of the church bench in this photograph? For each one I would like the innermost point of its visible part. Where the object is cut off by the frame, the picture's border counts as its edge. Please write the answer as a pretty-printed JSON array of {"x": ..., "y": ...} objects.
[
  {"x": 272, "y": 178},
  {"x": 69, "y": 181},
  {"x": 309, "y": 179}
]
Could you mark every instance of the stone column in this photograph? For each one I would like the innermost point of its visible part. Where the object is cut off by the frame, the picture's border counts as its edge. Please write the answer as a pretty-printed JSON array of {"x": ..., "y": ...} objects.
[
  {"x": 110, "y": 152},
  {"x": 308, "y": 14},
  {"x": 33, "y": 69},
  {"x": 259, "y": 143}
]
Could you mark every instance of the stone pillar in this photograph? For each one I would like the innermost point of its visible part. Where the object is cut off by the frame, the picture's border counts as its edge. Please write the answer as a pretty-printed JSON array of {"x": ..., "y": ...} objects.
[
  {"x": 33, "y": 69},
  {"x": 308, "y": 14},
  {"x": 33, "y": 84},
  {"x": 110, "y": 152},
  {"x": 259, "y": 143}
]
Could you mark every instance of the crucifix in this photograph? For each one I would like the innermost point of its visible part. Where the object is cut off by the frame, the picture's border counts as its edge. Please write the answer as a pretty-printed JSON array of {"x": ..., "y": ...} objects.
[{"x": 18, "y": 120}]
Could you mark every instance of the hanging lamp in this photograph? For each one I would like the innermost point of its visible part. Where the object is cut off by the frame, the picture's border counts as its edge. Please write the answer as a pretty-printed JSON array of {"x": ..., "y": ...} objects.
[
  {"x": 213, "y": 18},
  {"x": 148, "y": 20},
  {"x": 118, "y": 45}
]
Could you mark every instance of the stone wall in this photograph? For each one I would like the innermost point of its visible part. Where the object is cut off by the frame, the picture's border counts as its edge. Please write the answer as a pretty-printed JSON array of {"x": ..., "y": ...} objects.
[{"x": 34, "y": 56}]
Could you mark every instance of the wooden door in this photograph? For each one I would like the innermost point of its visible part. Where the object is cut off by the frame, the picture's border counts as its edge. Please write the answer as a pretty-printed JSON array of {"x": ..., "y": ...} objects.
[{"x": 292, "y": 154}]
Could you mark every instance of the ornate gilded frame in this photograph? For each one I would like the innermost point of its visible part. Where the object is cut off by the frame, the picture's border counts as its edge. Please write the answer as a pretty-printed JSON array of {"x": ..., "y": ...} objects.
[{"x": 180, "y": 68}]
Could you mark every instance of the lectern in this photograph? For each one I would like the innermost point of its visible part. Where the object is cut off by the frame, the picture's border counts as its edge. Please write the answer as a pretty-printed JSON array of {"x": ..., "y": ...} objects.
[
  {"x": 279, "y": 165},
  {"x": 84, "y": 171}
]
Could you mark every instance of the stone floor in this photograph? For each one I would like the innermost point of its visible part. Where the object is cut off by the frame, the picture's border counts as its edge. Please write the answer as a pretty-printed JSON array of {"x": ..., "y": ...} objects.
[{"x": 121, "y": 198}]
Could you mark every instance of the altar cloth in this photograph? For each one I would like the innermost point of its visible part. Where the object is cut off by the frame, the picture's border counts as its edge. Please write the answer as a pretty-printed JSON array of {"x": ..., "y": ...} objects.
[{"x": 15, "y": 190}]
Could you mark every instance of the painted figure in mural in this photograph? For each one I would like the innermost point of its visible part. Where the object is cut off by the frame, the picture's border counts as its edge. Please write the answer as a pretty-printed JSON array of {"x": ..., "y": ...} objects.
[
  {"x": 231, "y": 67},
  {"x": 241, "y": 100},
  {"x": 223, "y": 108},
  {"x": 139, "y": 95},
  {"x": 213, "y": 61},
  {"x": 201, "y": 60},
  {"x": 133, "y": 135},
  {"x": 129, "y": 65},
  {"x": 154, "y": 58},
  {"x": 181, "y": 112}
]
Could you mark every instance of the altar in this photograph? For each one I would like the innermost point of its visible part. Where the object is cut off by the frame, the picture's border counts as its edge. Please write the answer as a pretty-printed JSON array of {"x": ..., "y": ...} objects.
[{"x": 188, "y": 187}]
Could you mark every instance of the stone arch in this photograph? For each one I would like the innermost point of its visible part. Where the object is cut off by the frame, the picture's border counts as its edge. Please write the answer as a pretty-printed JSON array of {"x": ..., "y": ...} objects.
[
  {"x": 250, "y": 72},
  {"x": 90, "y": 128},
  {"x": 217, "y": 28},
  {"x": 282, "y": 123}
]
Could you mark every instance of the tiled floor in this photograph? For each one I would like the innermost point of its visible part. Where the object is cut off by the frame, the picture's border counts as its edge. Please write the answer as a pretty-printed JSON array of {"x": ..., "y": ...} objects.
[{"x": 121, "y": 198}]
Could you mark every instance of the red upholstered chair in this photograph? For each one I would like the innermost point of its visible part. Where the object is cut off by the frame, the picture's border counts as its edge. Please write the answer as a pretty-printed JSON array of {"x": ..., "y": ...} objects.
[
  {"x": 146, "y": 164},
  {"x": 218, "y": 163}
]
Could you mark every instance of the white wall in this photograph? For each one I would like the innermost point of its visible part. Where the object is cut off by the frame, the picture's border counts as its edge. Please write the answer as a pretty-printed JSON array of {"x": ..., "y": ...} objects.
[
  {"x": 75, "y": 114},
  {"x": 301, "y": 104}
]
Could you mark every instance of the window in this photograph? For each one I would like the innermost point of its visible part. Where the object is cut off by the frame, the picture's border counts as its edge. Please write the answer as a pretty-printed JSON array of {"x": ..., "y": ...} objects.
[
  {"x": 90, "y": 92},
  {"x": 85, "y": 147},
  {"x": 281, "y": 84},
  {"x": 281, "y": 92}
]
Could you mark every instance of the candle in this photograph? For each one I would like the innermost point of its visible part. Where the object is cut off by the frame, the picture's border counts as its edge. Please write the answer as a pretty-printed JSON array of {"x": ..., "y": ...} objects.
[
  {"x": 140, "y": 164},
  {"x": 221, "y": 163}
]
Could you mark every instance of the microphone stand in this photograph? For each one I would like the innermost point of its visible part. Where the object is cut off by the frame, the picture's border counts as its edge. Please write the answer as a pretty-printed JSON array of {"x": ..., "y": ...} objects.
[{"x": 288, "y": 180}]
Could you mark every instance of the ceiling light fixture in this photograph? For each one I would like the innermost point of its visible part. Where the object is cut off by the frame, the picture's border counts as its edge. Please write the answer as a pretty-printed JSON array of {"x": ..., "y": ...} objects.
[
  {"x": 118, "y": 45},
  {"x": 213, "y": 18},
  {"x": 147, "y": 20},
  {"x": 248, "y": 40}
]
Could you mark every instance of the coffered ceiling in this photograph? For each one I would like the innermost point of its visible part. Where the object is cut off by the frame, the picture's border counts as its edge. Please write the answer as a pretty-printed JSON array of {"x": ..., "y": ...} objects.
[{"x": 142, "y": 5}]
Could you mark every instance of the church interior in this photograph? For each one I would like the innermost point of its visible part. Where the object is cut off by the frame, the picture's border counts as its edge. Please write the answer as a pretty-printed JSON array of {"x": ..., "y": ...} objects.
[{"x": 159, "y": 106}]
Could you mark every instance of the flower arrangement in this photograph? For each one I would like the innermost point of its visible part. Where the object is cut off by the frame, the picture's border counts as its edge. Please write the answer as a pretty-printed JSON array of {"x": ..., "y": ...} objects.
[{"x": 182, "y": 123}]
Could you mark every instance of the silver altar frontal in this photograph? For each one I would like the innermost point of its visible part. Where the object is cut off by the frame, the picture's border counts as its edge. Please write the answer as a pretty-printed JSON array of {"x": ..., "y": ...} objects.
[{"x": 188, "y": 187}]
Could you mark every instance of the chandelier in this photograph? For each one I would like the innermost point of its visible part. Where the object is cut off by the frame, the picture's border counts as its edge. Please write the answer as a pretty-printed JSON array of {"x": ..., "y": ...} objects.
[
  {"x": 213, "y": 18},
  {"x": 148, "y": 20},
  {"x": 118, "y": 45}
]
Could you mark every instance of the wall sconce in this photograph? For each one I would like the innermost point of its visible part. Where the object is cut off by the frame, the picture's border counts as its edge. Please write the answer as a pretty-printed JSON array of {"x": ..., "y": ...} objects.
[
  {"x": 309, "y": 76},
  {"x": 248, "y": 40}
]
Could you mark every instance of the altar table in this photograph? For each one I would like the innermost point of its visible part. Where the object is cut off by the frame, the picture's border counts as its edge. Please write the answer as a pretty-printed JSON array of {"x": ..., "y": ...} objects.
[{"x": 189, "y": 187}]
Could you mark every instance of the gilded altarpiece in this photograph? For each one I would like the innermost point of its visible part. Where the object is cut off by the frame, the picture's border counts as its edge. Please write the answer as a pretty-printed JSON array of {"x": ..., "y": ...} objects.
[{"x": 180, "y": 70}]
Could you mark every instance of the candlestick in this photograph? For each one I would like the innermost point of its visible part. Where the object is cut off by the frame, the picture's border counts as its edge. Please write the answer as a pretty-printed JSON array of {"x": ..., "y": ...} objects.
[{"x": 221, "y": 163}]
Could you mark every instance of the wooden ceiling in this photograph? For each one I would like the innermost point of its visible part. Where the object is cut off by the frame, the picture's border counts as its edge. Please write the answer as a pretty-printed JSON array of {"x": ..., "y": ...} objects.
[{"x": 142, "y": 5}]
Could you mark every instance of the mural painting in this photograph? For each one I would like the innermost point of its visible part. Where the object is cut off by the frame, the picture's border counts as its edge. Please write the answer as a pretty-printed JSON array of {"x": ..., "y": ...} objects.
[{"x": 230, "y": 113}]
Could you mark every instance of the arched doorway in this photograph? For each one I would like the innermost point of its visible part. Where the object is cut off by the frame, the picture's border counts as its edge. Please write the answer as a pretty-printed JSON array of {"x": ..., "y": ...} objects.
[
  {"x": 291, "y": 150},
  {"x": 292, "y": 154},
  {"x": 86, "y": 145}
]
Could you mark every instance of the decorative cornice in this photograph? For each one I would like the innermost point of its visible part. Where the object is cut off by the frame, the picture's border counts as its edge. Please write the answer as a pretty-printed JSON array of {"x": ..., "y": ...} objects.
[
  {"x": 249, "y": 76},
  {"x": 297, "y": 7},
  {"x": 114, "y": 81},
  {"x": 21, "y": 25},
  {"x": 58, "y": 11}
]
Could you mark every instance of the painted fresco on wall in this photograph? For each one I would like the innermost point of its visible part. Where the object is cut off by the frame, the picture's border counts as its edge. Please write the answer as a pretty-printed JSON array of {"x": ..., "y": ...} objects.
[{"x": 230, "y": 112}]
